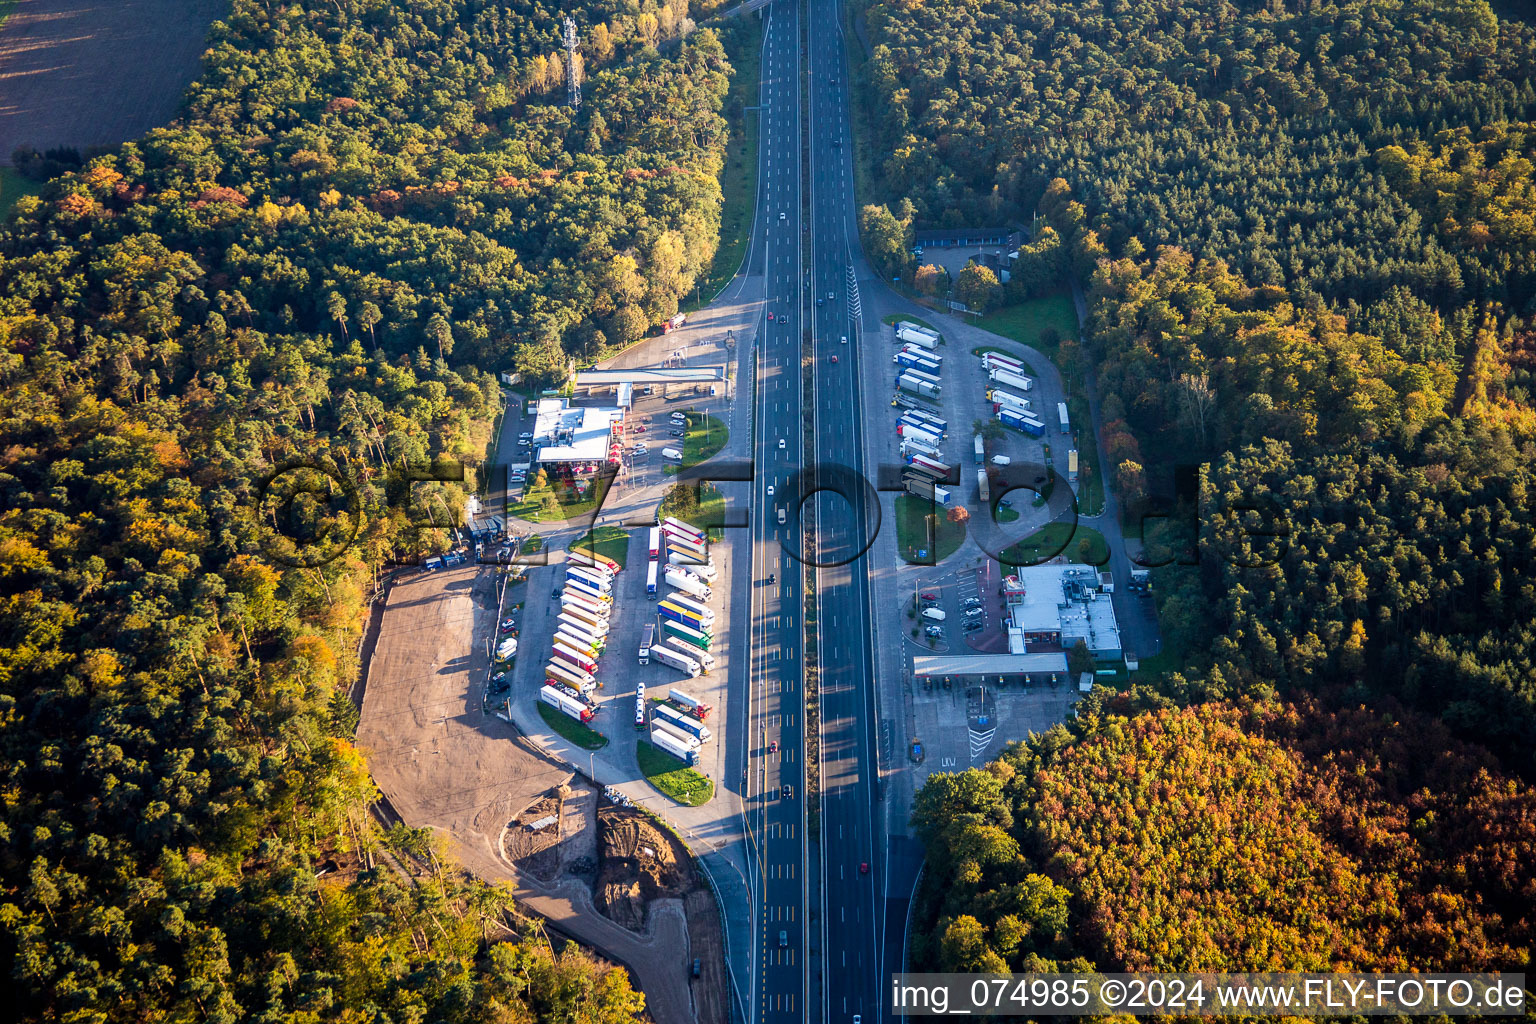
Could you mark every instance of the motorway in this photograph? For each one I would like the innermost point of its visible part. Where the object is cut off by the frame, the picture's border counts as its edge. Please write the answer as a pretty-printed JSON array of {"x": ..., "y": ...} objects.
[{"x": 776, "y": 816}]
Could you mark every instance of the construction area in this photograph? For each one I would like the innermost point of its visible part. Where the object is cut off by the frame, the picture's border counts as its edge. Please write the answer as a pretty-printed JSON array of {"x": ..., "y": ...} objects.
[{"x": 608, "y": 876}]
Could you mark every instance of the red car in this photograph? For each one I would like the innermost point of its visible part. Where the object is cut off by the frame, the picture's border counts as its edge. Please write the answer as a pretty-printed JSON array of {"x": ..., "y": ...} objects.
[
  {"x": 773, "y": 747},
  {"x": 864, "y": 868},
  {"x": 639, "y": 430},
  {"x": 930, "y": 597},
  {"x": 770, "y": 318},
  {"x": 834, "y": 359}
]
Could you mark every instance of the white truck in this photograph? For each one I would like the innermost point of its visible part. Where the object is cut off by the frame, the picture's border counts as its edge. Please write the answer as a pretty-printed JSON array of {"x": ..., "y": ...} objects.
[
  {"x": 703, "y": 567},
  {"x": 669, "y": 656},
  {"x": 570, "y": 675},
  {"x": 565, "y": 703},
  {"x": 1008, "y": 378},
  {"x": 647, "y": 638},
  {"x": 687, "y": 584},
  {"x": 704, "y": 658},
  {"x": 909, "y": 333},
  {"x": 674, "y": 745},
  {"x": 696, "y": 707}
]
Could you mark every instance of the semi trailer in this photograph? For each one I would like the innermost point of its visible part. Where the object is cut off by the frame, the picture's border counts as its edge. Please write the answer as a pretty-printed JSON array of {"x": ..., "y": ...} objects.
[
  {"x": 938, "y": 495},
  {"x": 695, "y": 707},
  {"x": 581, "y": 661},
  {"x": 687, "y": 616},
  {"x": 1021, "y": 421},
  {"x": 687, "y": 584},
  {"x": 1009, "y": 379},
  {"x": 1008, "y": 400},
  {"x": 647, "y": 638},
  {"x": 913, "y": 361},
  {"x": 692, "y": 637},
  {"x": 566, "y": 704},
  {"x": 704, "y": 567},
  {"x": 571, "y": 676},
  {"x": 918, "y": 386},
  {"x": 677, "y": 659},
  {"x": 650, "y": 580},
  {"x": 685, "y": 723},
  {"x": 706, "y": 661},
  {"x": 676, "y": 747}
]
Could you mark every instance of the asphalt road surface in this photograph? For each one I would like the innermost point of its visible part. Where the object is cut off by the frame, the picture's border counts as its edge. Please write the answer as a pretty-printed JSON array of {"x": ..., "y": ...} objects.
[{"x": 777, "y": 672}]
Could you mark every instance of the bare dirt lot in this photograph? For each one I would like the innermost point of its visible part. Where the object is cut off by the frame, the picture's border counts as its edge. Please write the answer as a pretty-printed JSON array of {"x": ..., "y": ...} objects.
[
  {"x": 96, "y": 72},
  {"x": 444, "y": 762}
]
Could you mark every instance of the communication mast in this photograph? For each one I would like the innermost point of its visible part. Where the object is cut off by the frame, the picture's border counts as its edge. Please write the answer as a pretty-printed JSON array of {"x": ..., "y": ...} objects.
[{"x": 572, "y": 65}]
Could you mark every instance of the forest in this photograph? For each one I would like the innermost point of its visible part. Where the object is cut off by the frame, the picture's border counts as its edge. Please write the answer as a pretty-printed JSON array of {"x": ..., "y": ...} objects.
[
  {"x": 1304, "y": 231},
  {"x": 270, "y": 308}
]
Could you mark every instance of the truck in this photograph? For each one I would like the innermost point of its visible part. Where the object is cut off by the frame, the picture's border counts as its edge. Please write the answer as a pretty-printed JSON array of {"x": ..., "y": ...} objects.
[
  {"x": 572, "y": 677},
  {"x": 917, "y": 386},
  {"x": 686, "y": 616},
  {"x": 1061, "y": 413},
  {"x": 919, "y": 448},
  {"x": 598, "y": 578},
  {"x": 678, "y": 526},
  {"x": 913, "y": 361},
  {"x": 582, "y": 633},
  {"x": 939, "y": 470},
  {"x": 591, "y": 623},
  {"x": 1009, "y": 379},
  {"x": 693, "y": 637},
  {"x": 692, "y": 604},
  {"x": 569, "y": 654},
  {"x": 653, "y": 545},
  {"x": 684, "y": 723},
  {"x": 937, "y": 424},
  {"x": 1140, "y": 582},
  {"x": 929, "y": 377},
  {"x": 677, "y": 659},
  {"x": 901, "y": 400},
  {"x": 910, "y": 333},
  {"x": 938, "y": 495},
  {"x": 998, "y": 361},
  {"x": 923, "y": 353},
  {"x": 928, "y": 424},
  {"x": 981, "y": 450},
  {"x": 687, "y": 547},
  {"x": 672, "y": 324},
  {"x": 704, "y": 567},
  {"x": 588, "y": 589},
  {"x": 982, "y": 487},
  {"x": 647, "y": 638},
  {"x": 921, "y": 474},
  {"x": 566, "y": 704},
  {"x": 650, "y": 580},
  {"x": 695, "y": 707},
  {"x": 588, "y": 557},
  {"x": 1008, "y": 400},
  {"x": 912, "y": 432},
  {"x": 1021, "y": 421},
  {"x": 578, "y": 602},
  {"x": 704, "y": 658},
  {"x": 674, "y": 746},
  {"x": 687, "y": 584}
]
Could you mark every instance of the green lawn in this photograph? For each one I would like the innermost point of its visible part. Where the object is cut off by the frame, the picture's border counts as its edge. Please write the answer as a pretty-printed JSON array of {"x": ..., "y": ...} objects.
[
  {"x": 581, "y": 735},
  {"x": 543, "y": 505},
  {"x": 1027, "y": 321},
  {"x": 12, "y": 185},
  {"x": 912, "y": 531},
  {"x": 1058, "y": 539},
  {"x": 706, "y": 513},
  {"x": 606, "y": 541},
  {"x": 672, "y": 776},
  {"x": 704, "y": 438},
  {"x": 743, "y": 41}
]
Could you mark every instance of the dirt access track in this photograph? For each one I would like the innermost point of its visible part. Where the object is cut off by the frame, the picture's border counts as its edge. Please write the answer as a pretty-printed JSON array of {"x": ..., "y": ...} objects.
[
  {"x": 96, "y": 72},
  {"x": 445, "y": 763}
]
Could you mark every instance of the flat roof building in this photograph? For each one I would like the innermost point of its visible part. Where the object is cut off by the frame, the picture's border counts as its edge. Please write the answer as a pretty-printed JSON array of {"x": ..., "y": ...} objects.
[
  {"x": 563, "y": 434},
  {"x": 1051, "y": 607}
]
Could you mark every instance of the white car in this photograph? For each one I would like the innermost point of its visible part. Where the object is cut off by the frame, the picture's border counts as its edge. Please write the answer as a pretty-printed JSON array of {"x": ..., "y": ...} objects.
[
  {"x": 781, "y": 444},
  {"x": 781, "y": 215},
  {"x": 845, "y": 339},
  {"x": 770, "y": 490}
]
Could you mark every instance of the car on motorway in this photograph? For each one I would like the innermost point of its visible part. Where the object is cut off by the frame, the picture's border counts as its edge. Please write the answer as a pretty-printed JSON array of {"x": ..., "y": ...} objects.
[
  {"x": 782, "y": 215},
  {"x": 773, "y": 746},
  {"x": 698, "y": 967},
  {"x": 781, "y": 444},
  {"x": 787, "y": 791},
  {"x": 834, "y": 359},
  {"x": 829, "y": 296},
  {"x": 783, "y": 939},
  {"x": 864, "y": 867},
  {"x": 818, "y": 300},
  {"x": 770, "y": 490},
  {"x": 770, "y": 318},
  {"x": 845, "y": 339}
]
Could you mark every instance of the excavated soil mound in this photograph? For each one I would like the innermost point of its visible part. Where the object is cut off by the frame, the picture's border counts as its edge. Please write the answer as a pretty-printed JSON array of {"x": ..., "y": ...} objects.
[{"x": 638, "y": 861}]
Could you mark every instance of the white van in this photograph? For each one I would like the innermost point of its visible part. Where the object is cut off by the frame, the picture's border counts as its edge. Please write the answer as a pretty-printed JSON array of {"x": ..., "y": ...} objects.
[
  {"x": 672, "y": 453},
  {"x": 933, "y": 614},
  {"x": 781, "y": 516},
  {"x": 1001, "y": 460}
]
